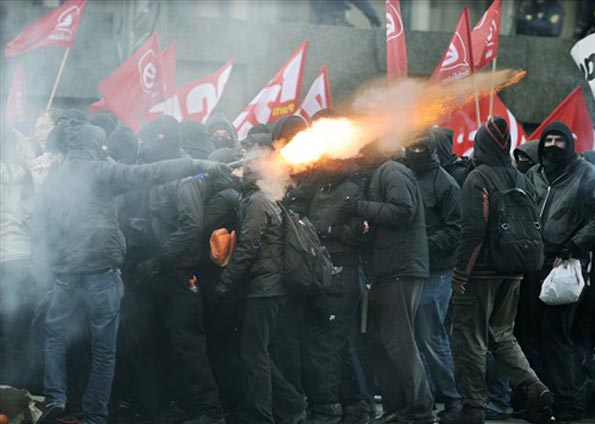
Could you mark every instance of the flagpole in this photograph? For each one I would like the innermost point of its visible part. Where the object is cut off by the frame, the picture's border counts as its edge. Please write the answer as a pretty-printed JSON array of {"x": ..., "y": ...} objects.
[
  {"x": 64, "y": 57},
  {"x": 492, "y": 90},
  {"x": 477, "y": 113}
]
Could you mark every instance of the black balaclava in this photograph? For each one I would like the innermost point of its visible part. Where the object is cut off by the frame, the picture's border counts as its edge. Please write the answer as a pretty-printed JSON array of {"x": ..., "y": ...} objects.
[
  {"x": 286, "y": 128},
  {"x": 222, "y": 123},
  {"x": 122, "y": 145},
  {"x": 56, "y": 138},
  {"x": 160, "y": 140},
  {"x": 259, "y": 129},
  {"x": 195, "y": 139},
  {"x": 258, "y": 140},
  {"x": 106, "y": 121},
  {"x": 492, "y": 143},
  {"x": 83, "y": 141},
  {"x": 553, "y": 158},
  {"x": 325, "y": 113},
  {"x": 426, "y": 160},
  {"x": 525, "y": 155}
]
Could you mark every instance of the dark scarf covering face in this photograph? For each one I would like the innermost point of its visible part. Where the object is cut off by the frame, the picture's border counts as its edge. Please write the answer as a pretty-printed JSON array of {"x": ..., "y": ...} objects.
[
  {"x": 525, "y": 155},
  {"x": 425, "y": 160},
  {"x": 492, "y": 143},
  {"x": 553, "y": 158},
  {"x": 195, "y": 139},
  {"x": 83, "y": 141},
  {"x": 160, "y": 140},
  {"x": 219, "y": 122}
]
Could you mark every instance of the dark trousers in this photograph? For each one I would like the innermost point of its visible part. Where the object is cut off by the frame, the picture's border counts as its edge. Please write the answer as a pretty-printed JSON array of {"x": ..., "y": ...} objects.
[
  {"x": 168, "y": 348},
  {"x": 263, "y": 383},
  {"x": 484, "y": 317},
  {"x": 403, "y": 381},
  {"x": 328, "y": 324},
  {"x": 547, "y": 341}
]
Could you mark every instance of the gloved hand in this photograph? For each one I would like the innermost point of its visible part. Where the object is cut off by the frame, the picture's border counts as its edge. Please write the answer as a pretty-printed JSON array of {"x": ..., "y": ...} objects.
[
  {"x": 349, "y": 206},
  {"x": 222, "y": 290},
  {"x": 211, "y": 167},
  {"x": 146, "y": 270},
  {"x": 570, "y": 250}
]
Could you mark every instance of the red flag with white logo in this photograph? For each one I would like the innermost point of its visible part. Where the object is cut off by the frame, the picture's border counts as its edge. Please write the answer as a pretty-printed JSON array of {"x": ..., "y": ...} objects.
[
  {"x": 16, "y": 106},
  {"x": 131, "y": 90},
  {"x": 457, "y": 62},
  {"x": 318, "y": 97},
  {"x": 196, "y": 100},
  {"x": 278, "y": 98},
  {"x": 485, "y": 36},
  {"x": 574, "y": 113},
  {"x": 396, "y": 51},
  {"x": 168, "y": 62},
  {"x": 464, "y": 124},
  {"x": 56, "y": 29}
]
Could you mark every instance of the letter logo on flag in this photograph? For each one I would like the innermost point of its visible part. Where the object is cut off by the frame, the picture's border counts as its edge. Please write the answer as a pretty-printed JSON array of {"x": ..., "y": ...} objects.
[
  {"x": 485, "y": 36},
  {"x": 583, "y": 53},
  {"x": 396, "y": 51},
  {"x": 574, "y": 113},
  {"x": 56, "y": 29},
  {"x": 278, "y": 98},
  {"x": 464, "y": 124},
  {"x": 135, "y": 86},
  {"x": 318, "y": 97},
  {"x": 195, "y": 100},
  {"x": 457, "y": 62},
  {"x": 16, "y": 106}
]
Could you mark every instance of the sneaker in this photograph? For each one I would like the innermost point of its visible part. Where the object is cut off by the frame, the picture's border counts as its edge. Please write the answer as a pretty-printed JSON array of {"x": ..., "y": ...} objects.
[
  {"x": 51, "y": 414},
  {"x": 540, "y": 401}
]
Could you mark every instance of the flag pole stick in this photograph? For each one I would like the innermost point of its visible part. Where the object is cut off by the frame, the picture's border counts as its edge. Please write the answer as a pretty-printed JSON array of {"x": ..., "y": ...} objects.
[
  {"x": 492, "y": 90},
  {"x": 64, "y": 57},
  {"x": 477, "y": 113}
]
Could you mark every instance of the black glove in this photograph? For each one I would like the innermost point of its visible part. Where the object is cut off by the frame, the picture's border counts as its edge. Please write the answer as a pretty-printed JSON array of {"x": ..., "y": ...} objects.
[
  {"x": 349, "y": 206},
  {"x": 222, "y": 290},
  {"x": 570, "y": 249},
  {"x": 146, "y": 270}
]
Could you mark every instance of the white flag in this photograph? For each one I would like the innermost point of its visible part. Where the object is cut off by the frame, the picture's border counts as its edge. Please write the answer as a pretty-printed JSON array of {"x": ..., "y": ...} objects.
[{"x": 583, "y": 53}]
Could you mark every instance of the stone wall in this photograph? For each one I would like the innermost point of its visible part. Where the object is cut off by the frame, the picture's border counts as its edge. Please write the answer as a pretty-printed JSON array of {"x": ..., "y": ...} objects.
[{"x": 353, "y": 56}]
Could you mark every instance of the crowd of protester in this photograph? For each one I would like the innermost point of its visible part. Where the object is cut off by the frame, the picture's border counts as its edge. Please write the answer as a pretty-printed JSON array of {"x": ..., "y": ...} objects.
[{"x": 114, "y": 309}]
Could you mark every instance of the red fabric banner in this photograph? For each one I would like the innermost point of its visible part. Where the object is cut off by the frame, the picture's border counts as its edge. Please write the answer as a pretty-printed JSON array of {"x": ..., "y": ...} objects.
[
  {"x": 318, "y": 97},
  {"x": 396, "y": 50},
  {"x": 485, "y": 37}
]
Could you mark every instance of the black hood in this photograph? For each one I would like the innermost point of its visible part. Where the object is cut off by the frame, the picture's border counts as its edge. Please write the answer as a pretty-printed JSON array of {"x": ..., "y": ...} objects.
[
  {"x": 105, "y": 121},
  {"x": 561, "y": 129},
  {"x": 287, "y": 127},
  {"x": 492, "y": 143},
  {"x": 195, "y": 139},
  {"x": 529, "y": 149},
  {"x": 160, "y": 140},
  {"x": 83, "y": 141},
  {"x": 122, "y": 145},
  {"x": 219, "y": 122},
  {"x": 422, "y": 162},
  {"x": 443, "y": 140},
  {"x": 56, "y": 139},
  {"x": 589, "y": 156},
  {"x": 258, "y": 140},
  {"x": 325, "y": 113}
]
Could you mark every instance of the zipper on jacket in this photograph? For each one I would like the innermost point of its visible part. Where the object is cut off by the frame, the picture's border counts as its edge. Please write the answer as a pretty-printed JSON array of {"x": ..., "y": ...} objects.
[{"x": 549, "y": 188}]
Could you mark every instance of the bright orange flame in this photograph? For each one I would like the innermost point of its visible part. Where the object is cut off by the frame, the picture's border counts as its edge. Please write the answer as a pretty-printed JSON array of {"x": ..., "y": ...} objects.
[{"x": 394, "y": 114}]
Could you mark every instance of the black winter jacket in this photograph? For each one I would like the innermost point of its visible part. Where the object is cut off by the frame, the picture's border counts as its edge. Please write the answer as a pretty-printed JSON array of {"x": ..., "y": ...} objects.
[
  {"x": 394, "y": 209},
  {"x": 77, "y": 217},
  {"x": 257, "y": 259}
]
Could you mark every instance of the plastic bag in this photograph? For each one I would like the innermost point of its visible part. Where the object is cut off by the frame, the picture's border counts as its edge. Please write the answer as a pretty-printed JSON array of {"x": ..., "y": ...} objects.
[{"x": 564, "y": 284}]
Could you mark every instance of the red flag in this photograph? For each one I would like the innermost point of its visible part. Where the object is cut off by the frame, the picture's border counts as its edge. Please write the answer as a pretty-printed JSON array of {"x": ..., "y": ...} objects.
[
  {"x": 318, "y": 97},
  {"x": 278, "y": 98},
  {"x": 195, "y": 100},
  {"x": 168, "y": 61},
  {"x": 16, "y": 106},
  {"x": 457, "y": 62},
  {"x": 396, "y": 51},
  {"x": 464, "y": 124},
  {"x": 485, "y": 36},
  {"x": 574, "y": 113},
  {"x": 136, "y": 85},
  {"x": 56, "y": 29}
]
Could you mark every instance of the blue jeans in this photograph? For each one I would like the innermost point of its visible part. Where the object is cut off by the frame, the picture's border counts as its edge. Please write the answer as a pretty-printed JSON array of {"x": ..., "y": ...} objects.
[
  {"x": 433, "y": 340},
  {"x": 99, "y": 295}
]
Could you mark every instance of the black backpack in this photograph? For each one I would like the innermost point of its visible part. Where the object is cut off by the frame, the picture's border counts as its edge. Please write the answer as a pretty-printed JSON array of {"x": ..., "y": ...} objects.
[
  {"x": 514, "y": 241},
  {"x": 307, "y": 263}
]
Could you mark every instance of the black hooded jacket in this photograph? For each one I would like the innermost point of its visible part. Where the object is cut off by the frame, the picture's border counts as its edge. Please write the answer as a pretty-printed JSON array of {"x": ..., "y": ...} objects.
[
  {"x": 76, "y": 218},
  {"x": 456, "y": 166},
  {"x": 566, "y": 202},
  {"x": 394, "y": 210},
  {"x": 256, "y": 263},
  {"x": 492, "y": 149},
  {"x": 441, "y": 196}
]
